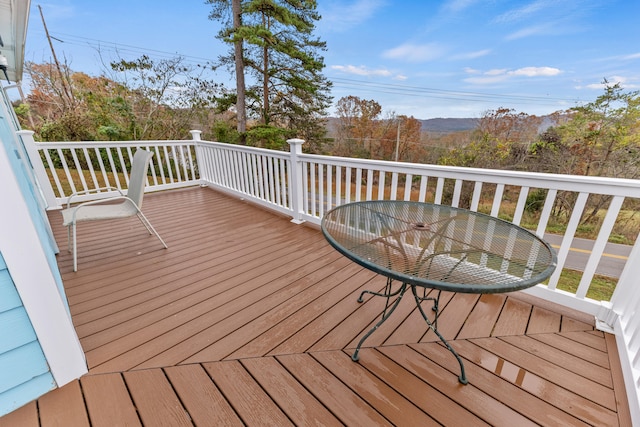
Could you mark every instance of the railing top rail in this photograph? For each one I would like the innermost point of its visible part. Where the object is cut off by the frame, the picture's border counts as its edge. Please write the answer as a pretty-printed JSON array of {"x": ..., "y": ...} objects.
[
  {"x": 103, "y": 144},
  {"x": 233, "y": 147},
  {"x": 591, "y": 184}
]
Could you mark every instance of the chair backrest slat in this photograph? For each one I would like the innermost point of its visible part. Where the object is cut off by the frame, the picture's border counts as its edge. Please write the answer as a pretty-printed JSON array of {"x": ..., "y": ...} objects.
[{"x": 138, "y": 177}]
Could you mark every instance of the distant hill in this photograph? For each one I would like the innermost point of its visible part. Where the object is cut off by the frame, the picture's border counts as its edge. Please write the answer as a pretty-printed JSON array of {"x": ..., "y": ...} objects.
[{"x": 441, "y": 125}]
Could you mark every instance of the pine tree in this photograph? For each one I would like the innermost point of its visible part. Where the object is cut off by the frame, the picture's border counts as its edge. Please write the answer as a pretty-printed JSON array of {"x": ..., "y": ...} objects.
[{"x": 283, "y": 56}]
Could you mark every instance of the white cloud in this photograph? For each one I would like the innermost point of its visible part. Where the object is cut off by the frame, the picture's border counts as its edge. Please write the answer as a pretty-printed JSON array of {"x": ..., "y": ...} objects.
[
  {"x": 361, "y": 70},
  {"x": 528, "y": 32},
  {"x": 632, "y": 56},
  {"x": 458, "y": 5},
  {"x": 536, "y": 71},
  {"x": 470, "y": 70},
  {"x": 525, "y": 11},
  {"x": 400, "y": 77},
  {"x": 496, "y": 72},
  {"x": 472, "y": 55},
  {"x": 341, "y": 16},
  {"x": 501, "y": 74},
  {"x": 414, "y": 53}
]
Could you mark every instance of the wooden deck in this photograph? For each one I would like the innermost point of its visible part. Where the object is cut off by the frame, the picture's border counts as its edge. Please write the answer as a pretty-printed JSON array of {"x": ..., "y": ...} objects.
[{"x": 248, "y": 319}]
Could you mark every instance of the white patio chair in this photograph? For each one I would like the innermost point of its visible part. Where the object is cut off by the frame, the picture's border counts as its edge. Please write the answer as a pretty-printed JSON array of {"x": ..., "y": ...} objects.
[{"x": 122, "y": 206}]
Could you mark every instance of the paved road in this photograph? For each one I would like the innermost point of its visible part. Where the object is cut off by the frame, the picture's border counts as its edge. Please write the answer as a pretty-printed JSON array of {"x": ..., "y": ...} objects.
[{"x": 611, "y": 264}]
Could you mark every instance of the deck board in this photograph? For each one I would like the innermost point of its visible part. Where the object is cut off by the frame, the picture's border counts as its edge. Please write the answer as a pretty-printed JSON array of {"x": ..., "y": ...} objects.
[
  {"x": 108, "y": 401},
  {"x": 248, "y": 319},
  {"x": 155, "y": 399},
  {"x": 63, "y": 407}
]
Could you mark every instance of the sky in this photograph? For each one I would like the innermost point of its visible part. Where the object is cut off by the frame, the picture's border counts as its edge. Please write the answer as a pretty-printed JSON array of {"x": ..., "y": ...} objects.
[{"x": 420, "y": 58}]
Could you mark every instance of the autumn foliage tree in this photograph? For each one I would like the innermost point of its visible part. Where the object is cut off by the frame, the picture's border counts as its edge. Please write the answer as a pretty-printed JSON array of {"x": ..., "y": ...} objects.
[
  {"x": 141, "y": 99},
  {"x": 500, "y": 141},
  {"x": 601, "y": 138},
  {"x": 357, "y": 126}
]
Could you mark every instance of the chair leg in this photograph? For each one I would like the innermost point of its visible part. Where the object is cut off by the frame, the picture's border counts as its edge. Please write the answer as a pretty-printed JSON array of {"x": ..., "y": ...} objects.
[
  {"x": 150, "y": 228},
  {"x": 75, "y": 248},
  {"x": 143, "y": 221}
]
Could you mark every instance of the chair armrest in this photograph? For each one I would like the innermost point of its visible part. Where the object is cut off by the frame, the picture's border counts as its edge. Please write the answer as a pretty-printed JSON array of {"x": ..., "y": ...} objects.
[
  {"x": 78, "y": 193},
  {"x": 98, "y": 202}
]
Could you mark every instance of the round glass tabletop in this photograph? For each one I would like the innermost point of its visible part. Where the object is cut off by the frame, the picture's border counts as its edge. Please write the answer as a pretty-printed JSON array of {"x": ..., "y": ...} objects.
[{"x": 439, "y": 247}]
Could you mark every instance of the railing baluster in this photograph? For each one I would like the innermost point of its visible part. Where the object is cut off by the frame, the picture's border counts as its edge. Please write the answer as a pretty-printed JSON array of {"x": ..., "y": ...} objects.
[
  {"x": 79, "y": 169},
  {"x": 338, "y": 186},
  {"x": 546, "y": 212},
  {"x": 271, "y": 178},
  {"x": 92, "y": 173},
  {"x": 65, "y": 167},
  {"x": 408, "y": 182},
  {"x": 497, "y": 200},
  {"x": 394, "y": 187},
  {"x": 369, "y": 183},
  {"x": 358, "y": 184},
  {"x": 183, "y": 160},
  {"x": 457, "y": 190},
  {"x": 330, "y": 193},
  {"x": 54, "y": 173},
  {"x": 424, "y": 181},
  {"x": 314, "y": 200},
  {"x": 286, "y": 202},
  {"x": 105, "y": 176},
  {"x": 192, "y": 165},
  {"x": 167, "y": 163},
  {"x": 114, "y": 170},
  {"x": 475, "y": 199},
  {"x": 381, "y": 184},
  {"x": 347, "y": 184},
  {"x": 321, "y": 185},
  {"x": 305, "y": 187},
  {"x": 570, "y": 232},
  {"x": 522, "y": 203},
  {"x": 439, "y": 190},
  {"x": 599, "y": 245}
]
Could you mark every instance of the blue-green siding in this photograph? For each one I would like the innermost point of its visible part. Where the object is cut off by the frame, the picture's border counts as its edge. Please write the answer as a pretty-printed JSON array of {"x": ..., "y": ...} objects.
[
  {"x": 24, "y": 373},
  {"x": 18, "y": 159}
]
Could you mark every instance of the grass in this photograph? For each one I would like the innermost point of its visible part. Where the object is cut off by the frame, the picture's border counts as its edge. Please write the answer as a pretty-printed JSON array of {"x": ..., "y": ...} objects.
[{"x": 600, "y": 289}]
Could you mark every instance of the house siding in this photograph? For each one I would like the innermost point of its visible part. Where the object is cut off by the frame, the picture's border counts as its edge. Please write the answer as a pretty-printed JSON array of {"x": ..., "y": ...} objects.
[
  {"x": 39, "y": 349},
  {"x": 24, "y": 373},
  {"x": 18, "y": 158}
]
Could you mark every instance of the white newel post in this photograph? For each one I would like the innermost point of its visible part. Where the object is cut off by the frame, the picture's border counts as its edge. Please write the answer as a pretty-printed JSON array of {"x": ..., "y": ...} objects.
[
  {"x": 38, "y": 168},
  {"x": 295, "y": 185},
  {"x": 622, "y": 318},
  {"x": 200, "y": 163}
]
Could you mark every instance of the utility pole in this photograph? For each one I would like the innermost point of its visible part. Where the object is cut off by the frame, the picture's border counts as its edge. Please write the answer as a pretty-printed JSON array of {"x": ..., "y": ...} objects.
[
  {"x": 63, "y": 80},
  {"x": 398, "y": 140}
]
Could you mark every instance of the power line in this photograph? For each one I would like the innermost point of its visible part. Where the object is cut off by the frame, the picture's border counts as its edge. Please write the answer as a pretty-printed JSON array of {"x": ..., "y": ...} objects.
[
  {"x": 418, "y": 91},
  {"x": 102, "y": 45},
  {"x": 346, "y": 83}
]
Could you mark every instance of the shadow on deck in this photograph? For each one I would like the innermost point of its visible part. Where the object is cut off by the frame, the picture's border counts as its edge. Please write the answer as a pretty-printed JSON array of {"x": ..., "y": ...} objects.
[{"x": 249, "y": 319}]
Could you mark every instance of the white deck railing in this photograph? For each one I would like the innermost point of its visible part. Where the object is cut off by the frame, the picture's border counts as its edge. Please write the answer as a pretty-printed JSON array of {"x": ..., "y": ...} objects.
[
  {"x": 64, "y": 168},
  {"x": 305, "y": 186}
]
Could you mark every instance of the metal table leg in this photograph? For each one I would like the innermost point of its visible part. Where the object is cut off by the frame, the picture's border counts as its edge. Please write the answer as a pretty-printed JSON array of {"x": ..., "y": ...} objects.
[
  {"x": 388, "y": 310},
  {"x": 434, "y": 327}
]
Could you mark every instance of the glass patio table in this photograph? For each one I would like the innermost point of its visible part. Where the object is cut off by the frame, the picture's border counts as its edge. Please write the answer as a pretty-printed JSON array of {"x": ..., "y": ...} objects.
[{"x": 423, "y": 246}]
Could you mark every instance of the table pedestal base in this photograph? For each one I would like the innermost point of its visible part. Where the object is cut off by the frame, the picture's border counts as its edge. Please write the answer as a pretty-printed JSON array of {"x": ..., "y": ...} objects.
[{"x": 389, "y": 309}]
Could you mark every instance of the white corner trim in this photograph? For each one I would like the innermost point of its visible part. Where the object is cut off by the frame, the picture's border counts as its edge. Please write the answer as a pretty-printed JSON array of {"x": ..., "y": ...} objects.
[{"x": 36, "y": 284}]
